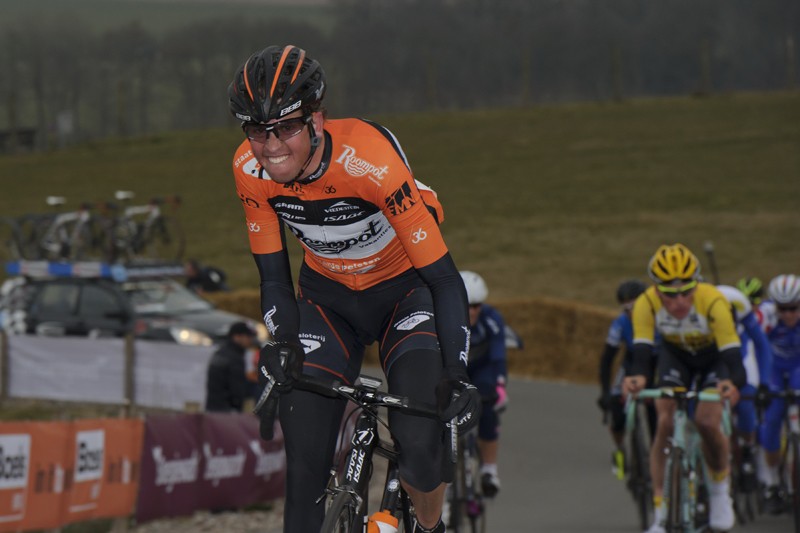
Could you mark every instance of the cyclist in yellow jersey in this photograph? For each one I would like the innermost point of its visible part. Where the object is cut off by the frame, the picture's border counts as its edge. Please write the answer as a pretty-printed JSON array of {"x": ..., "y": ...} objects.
[{"x": 699, "y": 345}]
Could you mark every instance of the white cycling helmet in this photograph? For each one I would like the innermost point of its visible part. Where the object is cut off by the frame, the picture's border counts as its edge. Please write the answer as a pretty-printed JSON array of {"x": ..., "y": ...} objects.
[
  {"x": 476, "y": 287},
  {"x": 784, "y": 289}
]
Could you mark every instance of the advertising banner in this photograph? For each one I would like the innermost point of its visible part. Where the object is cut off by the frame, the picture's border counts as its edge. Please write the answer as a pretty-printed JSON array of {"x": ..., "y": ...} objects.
[
  {"x": 104, "y": 460},
  {"x": 171, "y": 462},
  {"x": 207, "y": 461},
  {"x": 33, "y": 463},
  {"x": 239, "y": 468},
  {"x": 53, "y": 473}
]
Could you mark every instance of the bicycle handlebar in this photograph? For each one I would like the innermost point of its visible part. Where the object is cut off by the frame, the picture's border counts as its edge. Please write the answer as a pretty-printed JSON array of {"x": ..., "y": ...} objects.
[
  {"x": 703, "y": 396},
  {"x": 360, "y": 394},
  {"x": 677, "y": 395}
]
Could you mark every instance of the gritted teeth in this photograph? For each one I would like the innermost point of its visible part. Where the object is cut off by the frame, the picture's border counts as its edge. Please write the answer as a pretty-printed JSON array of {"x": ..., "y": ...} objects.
[{"x": 278, "y": 159}]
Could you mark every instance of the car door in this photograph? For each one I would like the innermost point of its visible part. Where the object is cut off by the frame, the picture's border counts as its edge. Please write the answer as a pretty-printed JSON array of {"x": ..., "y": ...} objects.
[
  {"x": 103, "y": 311},
  {"x": 54, "y": 310}
]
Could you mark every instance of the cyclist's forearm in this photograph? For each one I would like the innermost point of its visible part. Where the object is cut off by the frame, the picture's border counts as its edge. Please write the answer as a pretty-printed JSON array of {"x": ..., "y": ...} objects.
[
  {"x": 641, "y": 359},
  {"x": 761, "y": 344},
  {"x": 450, "y": 306},
  {"x": 606, "y": 361},
  {"x": 278, "y": 304},
  {"x": 732, "y": 357}
]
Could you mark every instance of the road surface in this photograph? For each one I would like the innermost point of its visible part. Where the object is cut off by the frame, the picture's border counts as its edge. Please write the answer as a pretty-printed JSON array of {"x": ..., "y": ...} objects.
[{"x": 555, "y": 466}]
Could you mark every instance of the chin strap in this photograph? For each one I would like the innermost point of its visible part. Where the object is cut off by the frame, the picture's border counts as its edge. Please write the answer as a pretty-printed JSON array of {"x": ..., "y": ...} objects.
[{"x": 316, "y": 140}]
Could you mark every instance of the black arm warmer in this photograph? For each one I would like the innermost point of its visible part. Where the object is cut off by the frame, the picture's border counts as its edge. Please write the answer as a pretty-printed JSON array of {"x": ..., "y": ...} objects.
[
  {"x": 278, "y": 303},
  {"x": 606, "y": 361},
  {"x": 641, "y": 360},
  {"x": 732, "y": 357},
  {"x": 452, "y": 315}
]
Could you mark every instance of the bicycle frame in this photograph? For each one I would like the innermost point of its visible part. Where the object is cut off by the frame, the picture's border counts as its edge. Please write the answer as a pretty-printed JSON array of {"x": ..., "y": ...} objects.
[
  {"x": 364, "y": 443},
  {"x": 683, "y": 457},
  {"x": 357, "y": 470},
  {"x": 466, "y": 499}
]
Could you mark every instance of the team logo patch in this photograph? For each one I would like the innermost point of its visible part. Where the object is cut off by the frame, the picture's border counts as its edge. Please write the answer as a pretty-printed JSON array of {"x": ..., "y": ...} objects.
[
  {"x": 412, "y": 321},
  {"x": 357, "y": 167},
  {"x": 400, "y": 200}
]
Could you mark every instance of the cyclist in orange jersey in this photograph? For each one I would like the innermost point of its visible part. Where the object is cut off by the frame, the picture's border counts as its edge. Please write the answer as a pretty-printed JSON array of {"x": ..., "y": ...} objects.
[{"x": 375, "y": 269}]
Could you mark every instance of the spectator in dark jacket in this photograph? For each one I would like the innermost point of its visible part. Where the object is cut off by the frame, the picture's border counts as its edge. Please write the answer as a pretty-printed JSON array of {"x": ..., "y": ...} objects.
[
  {"x": 226, "y": 384},
  {"x": 202, "y": 279}
]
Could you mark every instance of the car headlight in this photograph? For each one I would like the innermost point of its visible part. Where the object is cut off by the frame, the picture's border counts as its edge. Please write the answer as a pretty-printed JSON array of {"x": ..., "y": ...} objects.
[{"x": 190, "y": 337}]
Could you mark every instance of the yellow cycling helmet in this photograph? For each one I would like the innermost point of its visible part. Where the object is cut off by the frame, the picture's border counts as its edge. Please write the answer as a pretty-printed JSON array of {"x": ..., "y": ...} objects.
[{"x": 673, "y": 262}]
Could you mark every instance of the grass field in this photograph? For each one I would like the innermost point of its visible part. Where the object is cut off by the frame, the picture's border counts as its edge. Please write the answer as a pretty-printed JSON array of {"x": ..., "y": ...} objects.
[{"x": 562, "y": 201}]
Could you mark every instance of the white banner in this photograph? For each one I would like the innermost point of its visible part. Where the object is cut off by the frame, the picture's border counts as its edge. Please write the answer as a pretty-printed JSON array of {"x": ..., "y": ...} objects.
[
  {"x": 166, "y": 375},
  {"x": 170, "y": 375},
  {"x": 66, "y": 368}
]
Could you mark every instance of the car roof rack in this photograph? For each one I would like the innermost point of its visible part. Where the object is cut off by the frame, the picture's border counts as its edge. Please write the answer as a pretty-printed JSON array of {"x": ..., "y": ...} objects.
[{"x": 93, "y": 269}]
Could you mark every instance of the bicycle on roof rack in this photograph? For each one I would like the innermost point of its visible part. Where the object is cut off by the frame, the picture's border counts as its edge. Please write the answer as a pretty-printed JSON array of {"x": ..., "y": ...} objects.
[
  {"x": 142, "y": 231},
  {"x": 55, "y": 236}
]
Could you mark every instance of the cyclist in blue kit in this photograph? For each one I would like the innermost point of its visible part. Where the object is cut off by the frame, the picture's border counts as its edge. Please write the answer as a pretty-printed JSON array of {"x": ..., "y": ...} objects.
[{"x": 487, "y": 371}]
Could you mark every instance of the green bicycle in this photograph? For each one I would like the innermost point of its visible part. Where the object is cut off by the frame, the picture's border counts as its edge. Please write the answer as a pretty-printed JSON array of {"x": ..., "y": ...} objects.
[{"x": 686, "y": 473}]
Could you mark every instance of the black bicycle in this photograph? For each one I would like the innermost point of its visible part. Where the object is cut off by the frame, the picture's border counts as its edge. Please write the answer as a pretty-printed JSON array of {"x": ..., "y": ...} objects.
[
  {"x": 465, "y": 495},
  {"x": 348, "y": 488},
  {"x": 789, "y": 466}
]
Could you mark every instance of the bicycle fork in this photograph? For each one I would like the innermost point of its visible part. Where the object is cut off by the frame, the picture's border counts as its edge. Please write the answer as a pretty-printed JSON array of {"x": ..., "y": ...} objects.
[
  {"x": 358, "y": 465},
  {"x": 678, "y": 515}
]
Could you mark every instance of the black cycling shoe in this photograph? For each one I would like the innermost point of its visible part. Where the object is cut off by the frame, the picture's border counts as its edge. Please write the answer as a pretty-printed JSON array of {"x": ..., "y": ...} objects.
[
  {"x": 490, "y": 484},
  {"x": 773, "y": 500},
  {"x": 747, "y": 478}
]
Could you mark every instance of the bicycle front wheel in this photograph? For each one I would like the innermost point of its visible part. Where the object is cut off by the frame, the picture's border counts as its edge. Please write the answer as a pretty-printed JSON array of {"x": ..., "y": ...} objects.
[
  {"x": 467, "y": 511},
  {"x": 639, "y": 475},
  {"x": 343, "y": 516},
  {"x": 673, "y": 492}
]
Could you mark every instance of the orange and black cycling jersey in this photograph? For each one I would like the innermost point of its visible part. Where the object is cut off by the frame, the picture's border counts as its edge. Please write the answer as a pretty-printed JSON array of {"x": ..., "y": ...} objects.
[{"x": 364, "y": 220}]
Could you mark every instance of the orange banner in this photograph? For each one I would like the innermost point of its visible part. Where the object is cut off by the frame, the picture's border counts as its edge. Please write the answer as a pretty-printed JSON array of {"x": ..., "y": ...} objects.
[
  {"x": 104, "y": 462},
  {"x": 54, "y": 473}
]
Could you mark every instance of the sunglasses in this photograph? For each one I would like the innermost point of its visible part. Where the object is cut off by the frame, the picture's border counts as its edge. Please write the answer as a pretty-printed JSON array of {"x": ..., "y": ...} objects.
[
  {"x": 787, "y": 308},
  {"x": 283, "y": 130},
  {"x": 475, "y": 306},
  {"x": 674, "y": 292}
]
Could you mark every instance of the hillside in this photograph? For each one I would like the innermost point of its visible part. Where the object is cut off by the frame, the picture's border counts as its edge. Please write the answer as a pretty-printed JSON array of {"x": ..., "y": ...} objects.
[{"x": 562, "y": 201}]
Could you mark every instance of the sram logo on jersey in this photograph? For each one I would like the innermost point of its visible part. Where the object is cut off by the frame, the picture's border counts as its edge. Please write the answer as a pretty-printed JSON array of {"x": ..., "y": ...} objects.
[
  {"x": 400, "y": 200},
  {"x": 357, "y": 167},
  {"x": 373, "y": 230}
]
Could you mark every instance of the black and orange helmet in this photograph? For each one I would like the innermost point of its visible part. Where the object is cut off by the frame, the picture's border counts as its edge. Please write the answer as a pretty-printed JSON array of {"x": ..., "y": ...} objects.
[{"x": 275, "y": 82}]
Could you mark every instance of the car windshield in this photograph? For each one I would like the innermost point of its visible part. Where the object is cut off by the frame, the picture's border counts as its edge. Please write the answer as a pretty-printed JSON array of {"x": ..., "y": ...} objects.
[{"x": 163, "y": 297}]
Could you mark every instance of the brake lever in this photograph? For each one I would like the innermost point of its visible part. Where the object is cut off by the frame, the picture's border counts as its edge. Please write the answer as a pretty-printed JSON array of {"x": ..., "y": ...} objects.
[{"x": 267, "y": 388}]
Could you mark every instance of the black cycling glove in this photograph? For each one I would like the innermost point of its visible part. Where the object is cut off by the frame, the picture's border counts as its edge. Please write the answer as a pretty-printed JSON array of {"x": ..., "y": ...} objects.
[
  {"x": 604, "y": 402},
  {"x": 283, "y": 361},
  {"x": 458, "y": 398}
]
